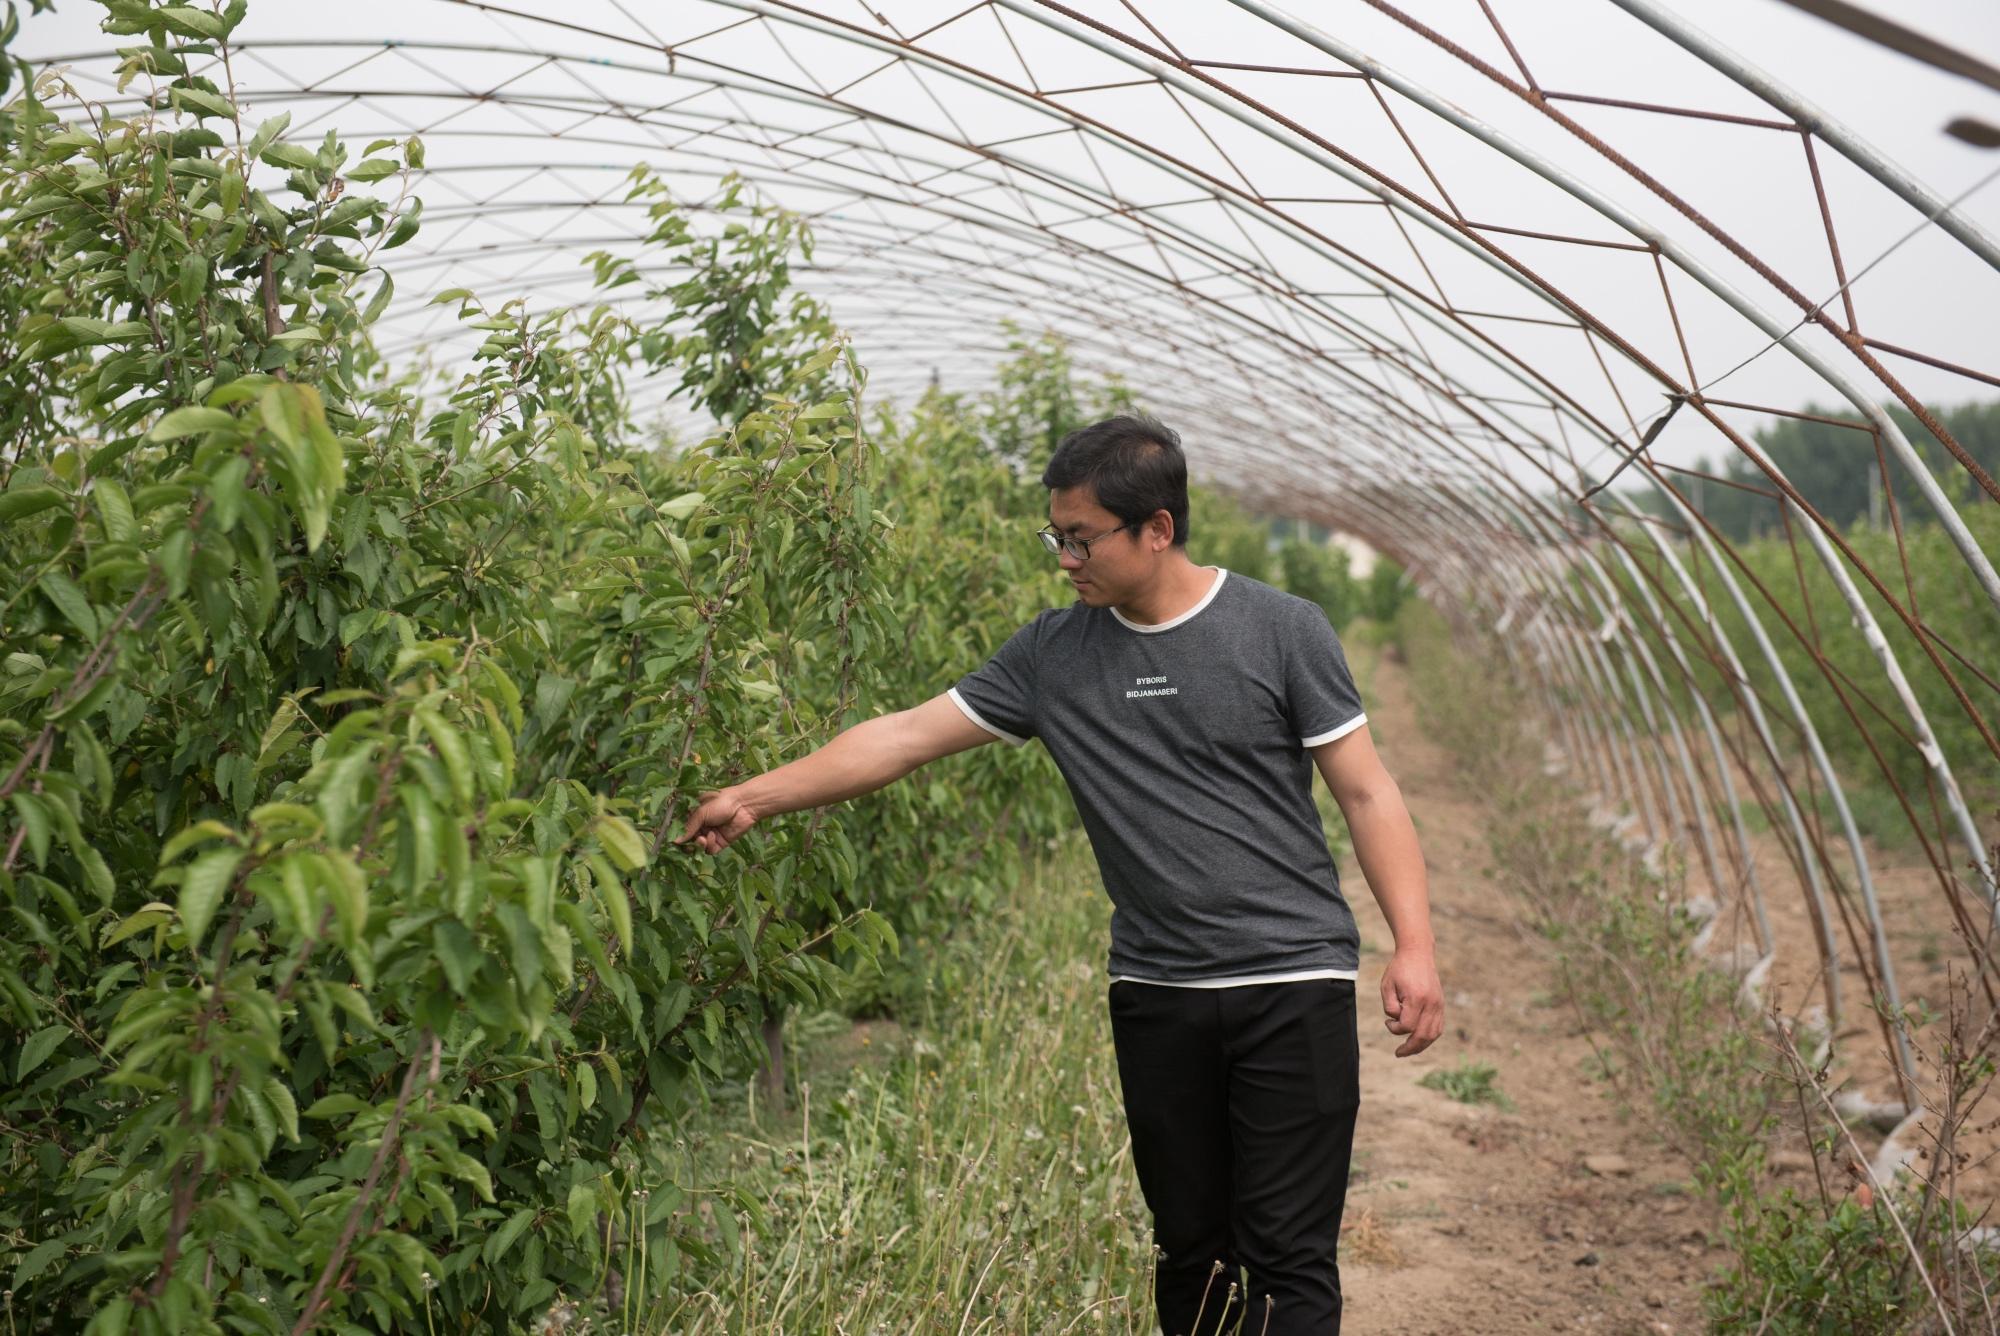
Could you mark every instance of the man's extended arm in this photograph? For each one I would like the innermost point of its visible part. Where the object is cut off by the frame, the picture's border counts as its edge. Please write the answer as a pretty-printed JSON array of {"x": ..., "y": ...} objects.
[
  {"x": 870, "y": 755},
  {"x": 1385, "y": 844}
]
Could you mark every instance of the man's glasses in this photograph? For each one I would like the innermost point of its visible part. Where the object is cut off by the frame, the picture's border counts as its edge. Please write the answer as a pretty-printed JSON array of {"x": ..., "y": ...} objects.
[{"x": 1077, "y": 547}]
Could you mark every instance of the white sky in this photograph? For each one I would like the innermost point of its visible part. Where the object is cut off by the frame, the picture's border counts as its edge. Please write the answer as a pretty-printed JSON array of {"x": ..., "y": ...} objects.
[{"x": 1931, "y": 294}]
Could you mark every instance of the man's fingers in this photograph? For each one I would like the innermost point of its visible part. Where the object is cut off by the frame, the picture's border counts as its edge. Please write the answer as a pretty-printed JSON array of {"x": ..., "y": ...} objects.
[
  {"x": 1416, "y": 1043},
  {"x": 1392, "y": 1009},
  {"x": 1421, "y": 1020},
  {"x": 702, "y": 827},
  {"x": 694, "y": 822},
  {"x": 1413, "y": 1003},
  {"x": 1422, "y": 1033},
  {"x": 1427, "y": 1028}
]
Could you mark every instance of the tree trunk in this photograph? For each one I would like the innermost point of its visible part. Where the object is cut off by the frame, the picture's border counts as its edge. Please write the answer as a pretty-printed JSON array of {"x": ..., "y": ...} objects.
[{"x": 771, "y": 1076}]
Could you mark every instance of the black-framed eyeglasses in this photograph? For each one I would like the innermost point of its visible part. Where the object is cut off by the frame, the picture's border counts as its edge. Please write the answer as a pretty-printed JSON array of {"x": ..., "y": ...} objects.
[{"x": 1079, "y": 548}]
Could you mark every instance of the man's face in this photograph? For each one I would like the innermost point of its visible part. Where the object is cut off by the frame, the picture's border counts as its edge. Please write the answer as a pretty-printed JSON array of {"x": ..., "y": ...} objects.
[{"x": 1120, "y": 563}]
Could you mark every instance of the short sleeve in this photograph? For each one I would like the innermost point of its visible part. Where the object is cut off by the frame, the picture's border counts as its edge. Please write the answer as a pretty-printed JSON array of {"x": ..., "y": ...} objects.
[
  {"x": 1000, "y": 695},
  {"x": 1320, "y": 693}
]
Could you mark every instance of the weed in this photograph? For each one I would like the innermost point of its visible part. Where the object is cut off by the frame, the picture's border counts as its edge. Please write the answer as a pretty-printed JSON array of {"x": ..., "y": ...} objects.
[
  {"x": 1364, "y": 1237},
  {"x": 1470, "y": 1082}
]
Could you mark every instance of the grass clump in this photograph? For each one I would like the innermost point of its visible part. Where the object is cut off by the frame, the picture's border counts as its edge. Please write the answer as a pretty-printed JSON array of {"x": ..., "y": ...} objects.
[
  {"x": 975, "y": 1178},
  {"x": 1471, "y": 1082}
]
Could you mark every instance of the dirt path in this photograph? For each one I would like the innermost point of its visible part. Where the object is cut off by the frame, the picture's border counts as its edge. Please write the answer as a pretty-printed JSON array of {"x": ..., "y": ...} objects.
[{"x": 1466, "y": 1218}]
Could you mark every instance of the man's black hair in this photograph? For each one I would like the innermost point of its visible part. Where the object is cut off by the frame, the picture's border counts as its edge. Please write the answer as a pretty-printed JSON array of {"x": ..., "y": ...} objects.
[{"x": 1134, "y": 465}]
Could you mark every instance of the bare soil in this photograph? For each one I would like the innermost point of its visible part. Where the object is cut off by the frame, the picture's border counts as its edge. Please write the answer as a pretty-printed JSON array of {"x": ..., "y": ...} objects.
[{"x": 1469, "y": 1218}]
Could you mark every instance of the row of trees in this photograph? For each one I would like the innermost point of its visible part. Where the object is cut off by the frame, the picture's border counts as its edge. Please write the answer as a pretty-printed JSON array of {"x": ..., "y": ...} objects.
[
  {"x": 1837, "y": 470},
  {"x": 1830, "y": 663},
  {"x": 350, "y": 975}
]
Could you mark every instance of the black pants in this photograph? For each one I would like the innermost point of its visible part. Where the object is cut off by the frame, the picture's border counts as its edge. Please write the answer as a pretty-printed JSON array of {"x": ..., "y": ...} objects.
[{"x": 1241, "y": 1103}]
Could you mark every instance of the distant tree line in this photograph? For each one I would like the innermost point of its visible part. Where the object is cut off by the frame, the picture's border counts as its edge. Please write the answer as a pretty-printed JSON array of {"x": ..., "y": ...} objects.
[{"x": 1835, "y": 468}]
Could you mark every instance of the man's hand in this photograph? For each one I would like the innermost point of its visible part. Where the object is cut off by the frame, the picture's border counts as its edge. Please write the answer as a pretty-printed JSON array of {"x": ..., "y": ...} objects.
[
  {"x": 718, "y": 822},
  {"x": 1413, "y": 1000}
]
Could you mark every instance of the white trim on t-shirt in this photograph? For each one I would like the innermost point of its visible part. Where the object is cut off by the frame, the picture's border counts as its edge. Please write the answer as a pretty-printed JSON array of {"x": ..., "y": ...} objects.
[
  {"x": 973, "y": 715},
  {"x": 1240, "y": 980},
  {"x": 1338, "y": 731},
  {"x": 1172, "y": 622}
]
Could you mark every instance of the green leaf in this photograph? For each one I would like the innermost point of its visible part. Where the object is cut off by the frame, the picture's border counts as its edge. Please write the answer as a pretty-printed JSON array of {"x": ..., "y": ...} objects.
[
  {"x": 582, "y": 1209},
  {"x": 251, "y": 1101},
  {"x": 176, "y": 558},
  {"x": 682, "y": 506},
  {"x": 203, "y": 103},
  {"x": 96, "y": 873},
  {"x": 372, "y": 170},
  {"x": 284, "y": 1105},
  {"x": 112, "y": 1319},
  {"x": 458, "y": 951},
  {"x": 115, "y": 507},
  {"x": 294, "y": 416},
  {"x": 225, "y": 491},
  {"x": 290, "y": 157},
  {"x": 37, "y": 1261},
  {"x": 88, "y": 330},
  {"x": 617, "y": 906},
  {"x": 267, "y": 132},
  {"x": 622, "y": 842},
  {"x": 380, "y": 301},
  {"x": 69, "y": 600},
  {"x": 406, "y": 225},
  {"x": 91, "y": 756},
  {"x": 355, "y": 1003},
  {"x": 35, "y": 820},
  {"x": 191, "y": 422},
  {"x": 202, "y": 890},
  {"x": 451, "y": 747},
  {"x": 189, "y": 836},
  {"x": 329, "y": 1107},
  {"x": 505, "y": 1237},
  {"x": 279, "y": 734},
  {"x": 349, "y": 891},
  {"x": 18, "y": 505},
  {"x": 36, "y": 1051},
  {"x": 191, "y": 22}
]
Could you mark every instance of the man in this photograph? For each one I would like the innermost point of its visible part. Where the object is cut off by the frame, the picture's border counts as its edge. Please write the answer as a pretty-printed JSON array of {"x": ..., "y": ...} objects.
[{"x": 1186, "y": 707}]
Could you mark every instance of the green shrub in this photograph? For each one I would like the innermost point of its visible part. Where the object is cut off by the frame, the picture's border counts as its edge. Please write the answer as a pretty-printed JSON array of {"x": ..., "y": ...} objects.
[
  {"x": 1808, "y": 1268},
  {"x": 340, "y": 727}
]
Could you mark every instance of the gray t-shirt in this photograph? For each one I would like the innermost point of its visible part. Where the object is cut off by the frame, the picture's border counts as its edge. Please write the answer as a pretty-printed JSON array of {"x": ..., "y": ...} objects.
[{"x": 1184, "y": 746}]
